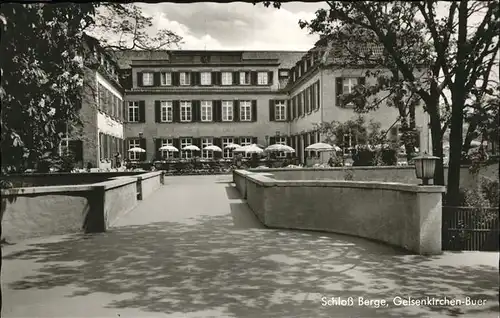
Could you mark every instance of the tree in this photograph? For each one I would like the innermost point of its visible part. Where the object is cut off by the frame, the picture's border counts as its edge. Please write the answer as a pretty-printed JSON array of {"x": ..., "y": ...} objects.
[
  {"x": 427, "y": 55},
  {"x": 42, "y": 69}
]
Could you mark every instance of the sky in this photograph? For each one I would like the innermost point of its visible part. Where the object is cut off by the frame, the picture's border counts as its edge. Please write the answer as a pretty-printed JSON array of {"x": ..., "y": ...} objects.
[{"x": 237, "y": 25}]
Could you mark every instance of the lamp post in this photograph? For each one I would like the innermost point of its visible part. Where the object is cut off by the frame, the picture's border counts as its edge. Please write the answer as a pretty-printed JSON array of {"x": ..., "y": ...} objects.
[{"x": 425, "y": 166}]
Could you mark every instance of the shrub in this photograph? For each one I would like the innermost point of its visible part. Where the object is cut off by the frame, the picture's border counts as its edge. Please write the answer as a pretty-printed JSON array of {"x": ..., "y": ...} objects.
[{"x": 389, "y": 157}]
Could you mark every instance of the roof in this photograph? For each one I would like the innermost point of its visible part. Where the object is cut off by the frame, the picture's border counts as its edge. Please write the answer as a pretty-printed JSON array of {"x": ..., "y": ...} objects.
[{"x": 287, "y": 59}]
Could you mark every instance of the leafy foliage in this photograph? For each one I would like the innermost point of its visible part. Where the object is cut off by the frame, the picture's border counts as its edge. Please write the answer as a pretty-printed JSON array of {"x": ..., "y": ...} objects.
[
  {"x": 423, "y": 54},
  {"x": 42, "y": 69}
]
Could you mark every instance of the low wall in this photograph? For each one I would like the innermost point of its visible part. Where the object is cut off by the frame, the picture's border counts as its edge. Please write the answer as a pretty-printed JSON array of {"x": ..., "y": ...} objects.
[
  {"x": 382, "y": 174},
  {"x": 63, "y": 178},
  {"x": 148, "y": 183},
  {"x": 408, "y": 216},
  {"x": 44, "y": 211}
]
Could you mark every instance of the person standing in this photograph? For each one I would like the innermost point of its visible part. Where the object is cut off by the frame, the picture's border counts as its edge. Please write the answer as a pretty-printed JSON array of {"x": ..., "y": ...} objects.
[{"x": 118, "y": 160}]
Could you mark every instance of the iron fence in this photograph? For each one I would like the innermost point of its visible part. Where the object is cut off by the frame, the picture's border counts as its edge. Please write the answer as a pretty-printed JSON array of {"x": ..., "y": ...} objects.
[{"x": 470, "y": 228}]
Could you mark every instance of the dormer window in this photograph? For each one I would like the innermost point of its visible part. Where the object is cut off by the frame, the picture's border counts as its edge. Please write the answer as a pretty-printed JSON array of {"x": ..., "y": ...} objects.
[{"x": 283, "y": 73}]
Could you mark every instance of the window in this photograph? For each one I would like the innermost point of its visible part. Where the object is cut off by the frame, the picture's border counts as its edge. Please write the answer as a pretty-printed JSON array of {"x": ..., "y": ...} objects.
[
  {"x": 133, "y": 112},
  {"x": 166, "y": 112},
  {"x": 206, "y": 78},
  {"x": 147, "y": 79},
  {"x": 184, "y": 79},
  {"x": 227, "y": 153},
  {"x": 281, "y": 141},
  {"x": 244, "y": 78},
  {"x": 280, "y": 110},
  {"x": 246, "y": 141},
  {"x": 165, "y": 79},
  {"x": 227, "y": 110},
  {"x": 227, "y": 78},
  {"x": 245, "y": 110},
  {"x": 206, "y": 110},
  {"x": 205, "y": 142},
  {"x": 185, "y": 111},
  {"x": 349, "y": 84},
  {"x": 262, "y": 78},
  {"x": 132, "y": 143},
  {"x": 186, "y": 154},
  {"x": 166, "y": 142}
]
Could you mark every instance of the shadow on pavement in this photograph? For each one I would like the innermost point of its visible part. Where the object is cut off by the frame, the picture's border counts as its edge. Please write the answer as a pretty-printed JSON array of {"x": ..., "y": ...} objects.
[
  {"x": 170, "y": 267},
  {"x": 232, "y": 193}
]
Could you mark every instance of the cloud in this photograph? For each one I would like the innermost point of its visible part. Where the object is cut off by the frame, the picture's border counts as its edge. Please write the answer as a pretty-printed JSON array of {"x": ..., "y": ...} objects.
[{"x": 234, "y": 26}]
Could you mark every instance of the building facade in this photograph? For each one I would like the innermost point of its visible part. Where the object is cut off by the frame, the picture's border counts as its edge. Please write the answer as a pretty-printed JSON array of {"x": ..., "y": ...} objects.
[
  {"x": 181, "y": 98},
  {"x": 101, "y": 134}
]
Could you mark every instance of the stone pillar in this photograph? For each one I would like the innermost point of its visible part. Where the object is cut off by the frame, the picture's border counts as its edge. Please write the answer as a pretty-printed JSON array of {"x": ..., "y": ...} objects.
[{"x": 429, "y": 209}]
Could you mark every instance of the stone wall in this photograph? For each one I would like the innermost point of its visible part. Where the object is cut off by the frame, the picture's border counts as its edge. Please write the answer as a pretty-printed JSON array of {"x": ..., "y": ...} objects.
[
  {"x": 404, "y": 215},
  {"x": 382, "y": 174},
  {"x": 53, "y": 210}
]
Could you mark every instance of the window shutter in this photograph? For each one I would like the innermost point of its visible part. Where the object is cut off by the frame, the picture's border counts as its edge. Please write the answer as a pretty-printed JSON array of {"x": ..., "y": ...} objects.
[
  {"x": 338, "y": 90},
  {"x": 294, "y": 108},
  {"x": 253, "y": 78},
  {"x": 158, "y": 152},
  {"x": 197, "y": 142},
  {"x": 306, "y": 100},
  {"x": 142, "y": 143},
  {"x": 139, "y": 79},
  {"x": 142, "y": 111},
  {"x": 318, "y": 94},
  {"x": 236, "y": 78},
  {"x": 313, "y": 96},
  {"x": 272, "y": 116},
  {"x": 214, "y": 78},
  {"x": 236, "y": 110},
  {"x": 192, "y": 76},
  {"x": 196, "y": 110},
  {"x": 215, "y": 107},
  {"x": 300, "y": 104},
  {"x": 157, "y": 111},
  {"x": 176, "y": 111},
  {"x": 125, "y": 111},
  {"x": 272, "y": 140},
  {"x": 175, "y": 78},
  {"x": 198, "y": 78},
  {"x": 288, "y": 110},
  {"x": 156, "y": 79},
  {"x": 177, "y": 144},
  {"x": 270, "y": 78},
  {"x": 254, "y": 110},
  {"x": 217, "y": 142},
  {"x": 254, "y": 140},
  {"x": 219, "y": 78}
]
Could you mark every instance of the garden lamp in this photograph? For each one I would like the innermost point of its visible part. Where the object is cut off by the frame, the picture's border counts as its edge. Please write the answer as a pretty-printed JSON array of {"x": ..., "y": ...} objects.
[{"x": 425, "y": 165}]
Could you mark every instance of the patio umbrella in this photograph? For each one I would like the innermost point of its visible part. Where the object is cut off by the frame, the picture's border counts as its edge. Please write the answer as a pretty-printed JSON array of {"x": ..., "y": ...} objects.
[
  {"x": 254, "y": 149},
  {"x": 212, "y": 148},
  {"x": 136, "y": 149},
  {"x": 241, "y": 149},
  {"x": 169, "y": 148},
  {"x": 232, "y": 146},
  {"x": 191, "y": 147},
  {"x": 280, "y": 148},
  {"x": 321, "y": 146}
]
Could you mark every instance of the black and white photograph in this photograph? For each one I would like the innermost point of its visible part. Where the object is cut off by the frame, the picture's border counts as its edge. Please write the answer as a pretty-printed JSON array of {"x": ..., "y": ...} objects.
[{"x": 261, "y": 159}]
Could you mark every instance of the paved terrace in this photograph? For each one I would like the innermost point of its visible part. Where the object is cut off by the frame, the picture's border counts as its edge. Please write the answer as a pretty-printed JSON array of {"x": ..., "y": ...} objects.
[{"x": 193, "y": 249}]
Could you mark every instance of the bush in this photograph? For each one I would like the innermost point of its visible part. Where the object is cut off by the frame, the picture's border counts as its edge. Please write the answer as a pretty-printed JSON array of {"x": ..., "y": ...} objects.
[
  {"x": 484, "y": 195},
  {"x": 363, "y": 156},
  {"x": 389, "y": 157}
]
